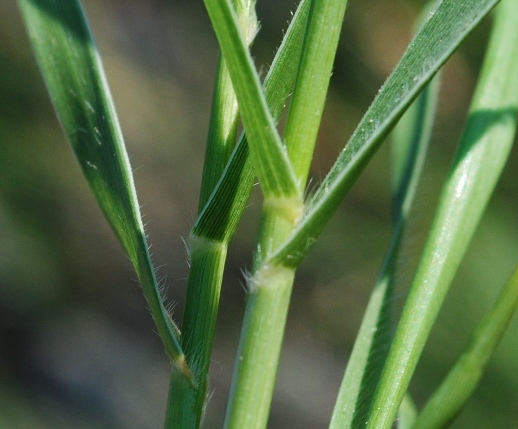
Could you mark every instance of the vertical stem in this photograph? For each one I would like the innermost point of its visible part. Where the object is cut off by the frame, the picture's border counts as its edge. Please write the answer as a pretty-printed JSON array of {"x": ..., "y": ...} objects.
[
  {"x": 319, "y": 51},
  {"x": 263, "y": 329},
  {"x": 207, "y": 256},
  {"x": 221, "y": 138},
  {"x": 270, "y": 286},
  {"x": 251, "y": 396}
]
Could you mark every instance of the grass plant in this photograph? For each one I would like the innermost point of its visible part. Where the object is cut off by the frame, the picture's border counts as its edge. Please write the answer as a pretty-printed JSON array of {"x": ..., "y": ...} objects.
[{"x": 377, "y": 377}]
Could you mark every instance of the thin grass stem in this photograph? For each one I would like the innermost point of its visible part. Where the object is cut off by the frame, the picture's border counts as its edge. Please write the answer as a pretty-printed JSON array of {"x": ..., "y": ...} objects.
[
  {"x": 207, "y": 256},
  {"x": 270, "y": 286},
  {"x": 216, "y": 225},
  {"x": 312, "y": 83},
  {"x": 460, "y": 383}
]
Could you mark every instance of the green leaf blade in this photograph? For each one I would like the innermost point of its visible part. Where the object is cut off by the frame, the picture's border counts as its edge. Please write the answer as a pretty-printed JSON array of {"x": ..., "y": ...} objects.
[
  {"x": 218, "y": 219},
  {"x": 75, "y": 80},
  {"x": 370, "y": 350},
  {"x": 271, "y": 162},
  {"x": 433, "y": 45},
  {"x": 222, "y": 134}
]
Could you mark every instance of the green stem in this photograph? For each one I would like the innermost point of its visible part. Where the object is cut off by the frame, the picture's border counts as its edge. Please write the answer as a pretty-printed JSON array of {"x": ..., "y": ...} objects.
[
  {"x": 270, "y": 286},
  {"x": 262, "y": 331},
  {"x": 217, "y": 223},
  {"x": 250, "y": 397},
  {"x": 207, "y": 256},
  {"x": 461, "y": 381},
  {"x": 312, "y": 83}
]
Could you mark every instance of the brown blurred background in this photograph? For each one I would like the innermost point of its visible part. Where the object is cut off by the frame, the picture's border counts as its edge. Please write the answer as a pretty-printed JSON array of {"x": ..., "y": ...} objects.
[{"x": 77, "y": 345}]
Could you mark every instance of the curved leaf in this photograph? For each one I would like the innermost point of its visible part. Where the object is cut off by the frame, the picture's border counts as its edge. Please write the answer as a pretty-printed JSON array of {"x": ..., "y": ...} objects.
[{"x": 75, "y": 80}]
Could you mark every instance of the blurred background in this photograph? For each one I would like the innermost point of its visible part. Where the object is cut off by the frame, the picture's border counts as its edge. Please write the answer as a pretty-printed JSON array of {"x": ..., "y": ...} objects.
[{"x": 77, "y": 344}]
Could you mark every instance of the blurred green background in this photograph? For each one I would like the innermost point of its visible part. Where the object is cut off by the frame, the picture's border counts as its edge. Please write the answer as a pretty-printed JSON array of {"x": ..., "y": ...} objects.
[{"x": 77, "y": 345}]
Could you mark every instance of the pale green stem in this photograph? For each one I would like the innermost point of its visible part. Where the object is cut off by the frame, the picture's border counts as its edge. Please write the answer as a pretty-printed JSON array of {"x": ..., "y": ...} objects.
[
  {"x": 270, "y": 286},
  {"x": 263, "y": 328},
  {"x": 312, "y": 83},
  {"x": 462, "y": 380},
  {"x": 250, "y": 399}
]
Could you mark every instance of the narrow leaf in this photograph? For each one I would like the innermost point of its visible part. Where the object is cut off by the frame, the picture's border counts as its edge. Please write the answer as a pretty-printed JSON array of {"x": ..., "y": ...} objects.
[
  {"x": 269, "y": 155},
  {"x": 75, "y": 79},
  {"x": 221, "y": 137},
  {"x": 218, "y": 219},
  {"x": 447, "y": 26}
]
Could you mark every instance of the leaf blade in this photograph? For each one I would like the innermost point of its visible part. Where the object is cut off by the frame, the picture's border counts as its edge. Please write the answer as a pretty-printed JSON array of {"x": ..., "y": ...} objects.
[
  {"x": 219, "y": 217},
  {"x": 432, "y": 46},
  {"x": 73, "y": 73},
  {"x": 271, "y": 162}
]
